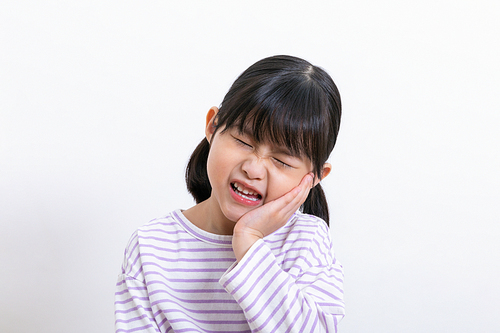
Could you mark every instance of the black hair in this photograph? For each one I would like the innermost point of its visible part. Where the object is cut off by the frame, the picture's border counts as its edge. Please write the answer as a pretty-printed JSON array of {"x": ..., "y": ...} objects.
[{"x": 284, "y": 100}]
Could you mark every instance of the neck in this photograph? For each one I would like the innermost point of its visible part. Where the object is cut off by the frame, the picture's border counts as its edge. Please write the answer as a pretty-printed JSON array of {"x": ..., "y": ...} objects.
[{"x": 207, "y": 216}]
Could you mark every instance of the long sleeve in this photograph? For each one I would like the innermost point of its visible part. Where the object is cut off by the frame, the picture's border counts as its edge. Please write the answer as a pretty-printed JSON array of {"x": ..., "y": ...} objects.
[
  {"x": 133, "y": 311},
  {"x": 306, "y": 296}
]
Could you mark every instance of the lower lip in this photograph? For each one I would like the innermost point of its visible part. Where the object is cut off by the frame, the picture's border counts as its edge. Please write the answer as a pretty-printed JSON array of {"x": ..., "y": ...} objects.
[{"x": 242, "y": 200}]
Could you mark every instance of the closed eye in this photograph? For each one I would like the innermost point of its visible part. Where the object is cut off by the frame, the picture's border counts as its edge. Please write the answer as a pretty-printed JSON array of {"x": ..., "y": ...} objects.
[
  {"x": 242, "y": 143},
  {"x": 281, "y": 163}
]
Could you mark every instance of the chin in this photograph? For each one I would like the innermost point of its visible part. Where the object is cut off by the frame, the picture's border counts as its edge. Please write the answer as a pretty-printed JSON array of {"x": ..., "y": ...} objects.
[{"x": 235, "y": 214}]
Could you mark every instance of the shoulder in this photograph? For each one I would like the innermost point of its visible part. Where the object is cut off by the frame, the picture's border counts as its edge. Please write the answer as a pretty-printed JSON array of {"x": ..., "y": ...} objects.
[
  {"x": 160, "y": 231},
  {"x": 315, "y": 230},
  {"x": 305, "y": 228},
  {"x": 151, "y": 241},
  {"x": 166, "y": 221},
  {"x": 302, "y": 243},
  {"x": 309, "y": 222}
]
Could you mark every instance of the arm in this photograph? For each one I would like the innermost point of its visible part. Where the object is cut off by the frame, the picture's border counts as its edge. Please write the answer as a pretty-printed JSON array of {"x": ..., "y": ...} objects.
[
  {"x": 275, "y": 300},
  {"x": 133, "y": 311}
]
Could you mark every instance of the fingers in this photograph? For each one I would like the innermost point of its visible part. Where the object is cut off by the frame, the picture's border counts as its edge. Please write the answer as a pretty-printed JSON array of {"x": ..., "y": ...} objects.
[
  {"x": 290, "y": 202},
  {"x": 278, "y": 211}
]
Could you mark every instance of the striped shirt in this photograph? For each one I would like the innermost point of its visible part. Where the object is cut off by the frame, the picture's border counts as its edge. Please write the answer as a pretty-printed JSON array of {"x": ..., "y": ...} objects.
[{"x": 177, "y": 277}]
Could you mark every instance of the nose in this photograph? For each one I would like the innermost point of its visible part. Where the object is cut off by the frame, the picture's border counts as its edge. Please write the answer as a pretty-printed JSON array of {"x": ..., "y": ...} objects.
[{"x": 254, "y": 167}]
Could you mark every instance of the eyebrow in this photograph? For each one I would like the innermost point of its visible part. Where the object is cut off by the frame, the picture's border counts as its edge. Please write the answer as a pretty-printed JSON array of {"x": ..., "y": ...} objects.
[{"x": 284, "y": 150}]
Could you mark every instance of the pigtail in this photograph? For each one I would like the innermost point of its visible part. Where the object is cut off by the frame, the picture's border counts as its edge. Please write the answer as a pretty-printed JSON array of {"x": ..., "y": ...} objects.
[
  {"x": 196, "y": 173},
  {"x": 316, "y": 204}
]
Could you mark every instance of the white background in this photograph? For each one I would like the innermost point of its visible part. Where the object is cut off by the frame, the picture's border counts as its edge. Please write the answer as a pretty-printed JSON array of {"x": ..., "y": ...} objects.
[{"x": 102, "y": 102}]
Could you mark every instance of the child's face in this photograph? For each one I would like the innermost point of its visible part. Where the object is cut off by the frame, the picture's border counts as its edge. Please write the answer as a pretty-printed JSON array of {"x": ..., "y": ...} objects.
[{"x": 245, "y": 174}]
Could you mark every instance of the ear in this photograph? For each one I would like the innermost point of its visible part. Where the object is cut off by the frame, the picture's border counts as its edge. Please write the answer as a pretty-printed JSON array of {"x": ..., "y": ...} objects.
[
  {"x": 327, "y": 167},
  {"x": 211, "y": 123}
]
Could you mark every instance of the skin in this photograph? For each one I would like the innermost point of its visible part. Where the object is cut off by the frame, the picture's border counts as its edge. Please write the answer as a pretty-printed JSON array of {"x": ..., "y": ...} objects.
[{"x": 282, "y": 182}]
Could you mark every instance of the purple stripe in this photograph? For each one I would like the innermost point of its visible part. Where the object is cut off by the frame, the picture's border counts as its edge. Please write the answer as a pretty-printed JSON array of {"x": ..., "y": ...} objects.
[
  {"x": 315, "y": 323},
  {"x": 133, "y": 263},
  {"x": 132, "y": 299},
  {"x": 325, "y": 241},
  {"x": 185, "y": 270},
  {"x": 270, "y": 298},
  {"x": 137, "y": 329},
  {"x": 199, "y": 329},
  {"x": 326, "y": 324},
  {"x": 242, "y": 267},
  {"x": 189, "y": 301},
  {"x": 193, "y": 280},
  {"x": 287, "y": 312},
  {"x": 299, "y": 314},
  {"x": 196, "y": 234},
  {"x": 166, "y": 240},
  {"x": 322, "y": 239},
  {"x": 293, "y": 249},
  {"x": 327, "y": 274},
  {"x": 251, "y": 273},
  {"x": 331, "y": 304},
  {"x": 131, "y": 252},
  {"x": 201, "y": 311},
  {"x": 138, "y": 272},
  {"x": 320, "y": 250},
  {"x": 166, "y": 232},
  {"x": 325, "y": 292},
  {"x": 312, "y": 223},
  {"x": 251, "y": 289},
  {"x": 187, "y": 259},
  {"x": 200, "y": 249},
  {"x": 299, "y": 257},
  {"x": 135, "y": 308},
  {"x": 126, "y": 321},
  {"x": 306, "y": 321},
  {"x": 195, "y": 301},
  {"x": 276, "y": 309},
  {"x": 330, "y": 284},
  {"x": 288, "y": 241},
  {"x": 118, "y": 293},
  {"x": 163, "y": 322},
  {"x": 294, "y": 232},
  {"x": 324, "y": 254},
  {"x": 159, "y": 222},
  {"x": 193, "y": 319},
  {"x": 132, "y": 240},
  {"x": 200, "y": 291}
]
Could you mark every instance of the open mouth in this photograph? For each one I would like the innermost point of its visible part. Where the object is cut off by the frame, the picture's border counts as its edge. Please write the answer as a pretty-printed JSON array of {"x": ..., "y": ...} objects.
[{"x": 245, "y": 192}]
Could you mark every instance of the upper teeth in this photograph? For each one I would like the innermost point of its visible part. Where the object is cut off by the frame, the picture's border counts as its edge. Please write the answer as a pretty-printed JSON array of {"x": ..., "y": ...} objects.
[{"x": 245, "y": 191}]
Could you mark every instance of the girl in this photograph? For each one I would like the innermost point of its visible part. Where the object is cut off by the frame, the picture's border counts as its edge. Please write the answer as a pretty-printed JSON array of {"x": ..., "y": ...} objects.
[{"x": 245, "y": 258}]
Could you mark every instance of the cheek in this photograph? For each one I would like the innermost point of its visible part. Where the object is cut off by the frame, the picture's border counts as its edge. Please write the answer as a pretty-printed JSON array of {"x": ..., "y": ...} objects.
[
  {"x": 281, "y": 185},
  {"x": 220, "y": 164},
  {"x": 215, "y": 170}
]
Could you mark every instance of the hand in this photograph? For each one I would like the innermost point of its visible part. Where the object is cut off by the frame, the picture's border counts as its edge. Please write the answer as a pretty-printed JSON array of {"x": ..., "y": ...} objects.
[{"x": 262, "y": 221}]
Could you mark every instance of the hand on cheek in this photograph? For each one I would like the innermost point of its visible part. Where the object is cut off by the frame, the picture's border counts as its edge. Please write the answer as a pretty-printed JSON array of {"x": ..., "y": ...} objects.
[{"x": 268, "y": 218}]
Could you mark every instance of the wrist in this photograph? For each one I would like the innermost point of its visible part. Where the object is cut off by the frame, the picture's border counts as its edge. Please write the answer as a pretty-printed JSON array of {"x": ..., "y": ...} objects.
[{"x": 242, "y": 242}]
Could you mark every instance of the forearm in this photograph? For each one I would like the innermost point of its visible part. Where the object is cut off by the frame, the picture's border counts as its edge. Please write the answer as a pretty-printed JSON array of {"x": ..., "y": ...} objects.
[{"x": 272, "y": 299}]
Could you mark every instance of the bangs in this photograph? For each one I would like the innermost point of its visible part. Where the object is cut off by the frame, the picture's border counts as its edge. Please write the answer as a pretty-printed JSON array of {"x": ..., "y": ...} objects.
[{"x": 291, "y": 114}]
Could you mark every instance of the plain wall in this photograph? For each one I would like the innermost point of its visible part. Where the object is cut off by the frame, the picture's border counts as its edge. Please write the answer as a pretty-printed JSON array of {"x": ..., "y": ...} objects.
[{"x": 102, "y": 102}]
